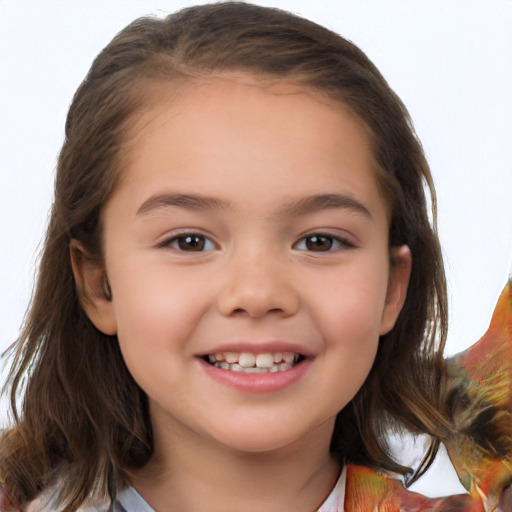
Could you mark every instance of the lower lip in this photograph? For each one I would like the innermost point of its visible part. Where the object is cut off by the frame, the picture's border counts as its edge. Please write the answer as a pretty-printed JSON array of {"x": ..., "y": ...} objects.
[{"x": 257, "y": 382}]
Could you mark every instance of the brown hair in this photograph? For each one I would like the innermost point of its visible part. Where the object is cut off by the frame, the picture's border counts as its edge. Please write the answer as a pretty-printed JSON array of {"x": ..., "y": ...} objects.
[{"x": 84, "y": 420}]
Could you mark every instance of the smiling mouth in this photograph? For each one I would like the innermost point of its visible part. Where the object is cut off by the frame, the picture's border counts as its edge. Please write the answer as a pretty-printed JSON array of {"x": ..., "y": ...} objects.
[{"x": 247, "y": 362}]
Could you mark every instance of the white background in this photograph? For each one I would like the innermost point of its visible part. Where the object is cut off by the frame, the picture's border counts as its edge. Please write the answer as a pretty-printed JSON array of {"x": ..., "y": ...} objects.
[{"x": 449, "y": 60}]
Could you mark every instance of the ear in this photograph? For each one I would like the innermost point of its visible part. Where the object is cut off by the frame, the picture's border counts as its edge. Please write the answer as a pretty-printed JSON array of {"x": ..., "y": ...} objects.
[
  {"x": 400, "y": 271},
  {"x": 93, "y": 289}
]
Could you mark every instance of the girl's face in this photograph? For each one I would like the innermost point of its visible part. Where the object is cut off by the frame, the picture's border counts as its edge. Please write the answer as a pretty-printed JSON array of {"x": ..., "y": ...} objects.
[{"x": 248, "y": 230}]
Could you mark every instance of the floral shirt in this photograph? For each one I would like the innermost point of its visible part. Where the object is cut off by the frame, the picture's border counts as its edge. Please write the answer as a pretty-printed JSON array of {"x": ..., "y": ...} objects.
[{"x": 484, "y": 372}]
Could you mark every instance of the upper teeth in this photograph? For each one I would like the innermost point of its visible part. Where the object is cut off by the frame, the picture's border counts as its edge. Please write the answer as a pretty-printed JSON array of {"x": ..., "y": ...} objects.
[{"x": 250, "y": 360}]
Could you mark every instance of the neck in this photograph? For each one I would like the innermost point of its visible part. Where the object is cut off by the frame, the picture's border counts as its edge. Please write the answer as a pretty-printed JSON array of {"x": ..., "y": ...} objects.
[{"x": 188, "y": 473}]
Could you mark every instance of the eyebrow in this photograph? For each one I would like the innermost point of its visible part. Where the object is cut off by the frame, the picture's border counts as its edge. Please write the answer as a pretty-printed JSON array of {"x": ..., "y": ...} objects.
[
  {"x": 318, "y": 202},
  {"x": 302, "y": 206},
  {"x": 187, "y": 201}
]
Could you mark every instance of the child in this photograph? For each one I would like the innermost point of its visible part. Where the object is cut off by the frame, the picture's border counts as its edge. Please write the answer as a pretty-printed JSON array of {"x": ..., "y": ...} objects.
[{"x": 240, "y": 292}]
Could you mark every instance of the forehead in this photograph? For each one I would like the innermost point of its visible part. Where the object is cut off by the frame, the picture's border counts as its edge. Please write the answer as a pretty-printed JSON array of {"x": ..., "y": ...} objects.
[
  {"x": 268, "y": 133},
  {"x": 239, "y": 95}
]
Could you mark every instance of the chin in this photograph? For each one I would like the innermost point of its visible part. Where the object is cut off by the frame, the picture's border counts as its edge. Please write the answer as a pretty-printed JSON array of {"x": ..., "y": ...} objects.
[{"x": 259, "y": 438}]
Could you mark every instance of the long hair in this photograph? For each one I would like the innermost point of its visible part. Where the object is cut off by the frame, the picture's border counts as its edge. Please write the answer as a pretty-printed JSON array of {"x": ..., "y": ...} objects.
[{"x": 84, "y": 421}]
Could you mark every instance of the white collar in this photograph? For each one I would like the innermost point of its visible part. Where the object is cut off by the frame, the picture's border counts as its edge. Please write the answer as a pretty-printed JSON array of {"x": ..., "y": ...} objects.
[{"x": 336, "y": 500}]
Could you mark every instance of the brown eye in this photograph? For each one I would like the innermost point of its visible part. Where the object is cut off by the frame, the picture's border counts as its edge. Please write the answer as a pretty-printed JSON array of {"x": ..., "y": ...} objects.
[
  {"x": 191, "y": 243},
  {"x": 318, "y": 243},
  {"x": 188, "y": 243}
]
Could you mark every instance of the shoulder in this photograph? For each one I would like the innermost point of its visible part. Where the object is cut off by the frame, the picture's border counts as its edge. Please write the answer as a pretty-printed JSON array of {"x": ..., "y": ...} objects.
[
  {"x": 47, "y": 502},
  {"x": 482, "y": 377},
  {"x": 367, "y": 489},
  {"x": 128, "y": 500},
  {"x": 480, "y": 452}
]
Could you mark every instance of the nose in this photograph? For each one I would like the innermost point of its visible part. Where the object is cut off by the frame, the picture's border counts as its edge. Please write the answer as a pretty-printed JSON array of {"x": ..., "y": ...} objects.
[{"x": 257, "y": 286}]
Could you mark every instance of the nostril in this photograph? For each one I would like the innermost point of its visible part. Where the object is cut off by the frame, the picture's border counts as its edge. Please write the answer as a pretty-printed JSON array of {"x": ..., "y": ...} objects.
[
  {"x": 258, "y": 298},
  {"x": 254, "y": 312}
]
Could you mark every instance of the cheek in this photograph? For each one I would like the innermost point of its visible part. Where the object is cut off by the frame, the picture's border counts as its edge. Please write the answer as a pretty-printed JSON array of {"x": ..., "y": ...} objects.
[
  {"x": 345, "y": 367},
  {"x": 351, "y": 361},
  {"x": 352, "y": 310},
  {"x": 349, "y": 318},
  {"x": 155, "y": 308}
]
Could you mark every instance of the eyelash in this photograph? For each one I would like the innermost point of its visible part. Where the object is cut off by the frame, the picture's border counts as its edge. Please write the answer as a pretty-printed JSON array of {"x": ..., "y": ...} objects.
[
  {"x": 333, "y": 242},
  {"x": 174, "y": 242}
]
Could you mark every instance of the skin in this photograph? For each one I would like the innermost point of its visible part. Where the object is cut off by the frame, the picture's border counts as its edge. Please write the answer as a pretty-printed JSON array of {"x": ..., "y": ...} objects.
[{"x": 255, "y": 149}]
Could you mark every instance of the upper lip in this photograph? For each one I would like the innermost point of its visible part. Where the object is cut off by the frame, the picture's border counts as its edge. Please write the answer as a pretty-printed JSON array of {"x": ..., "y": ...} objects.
[{"x": 262, "y": 347}]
